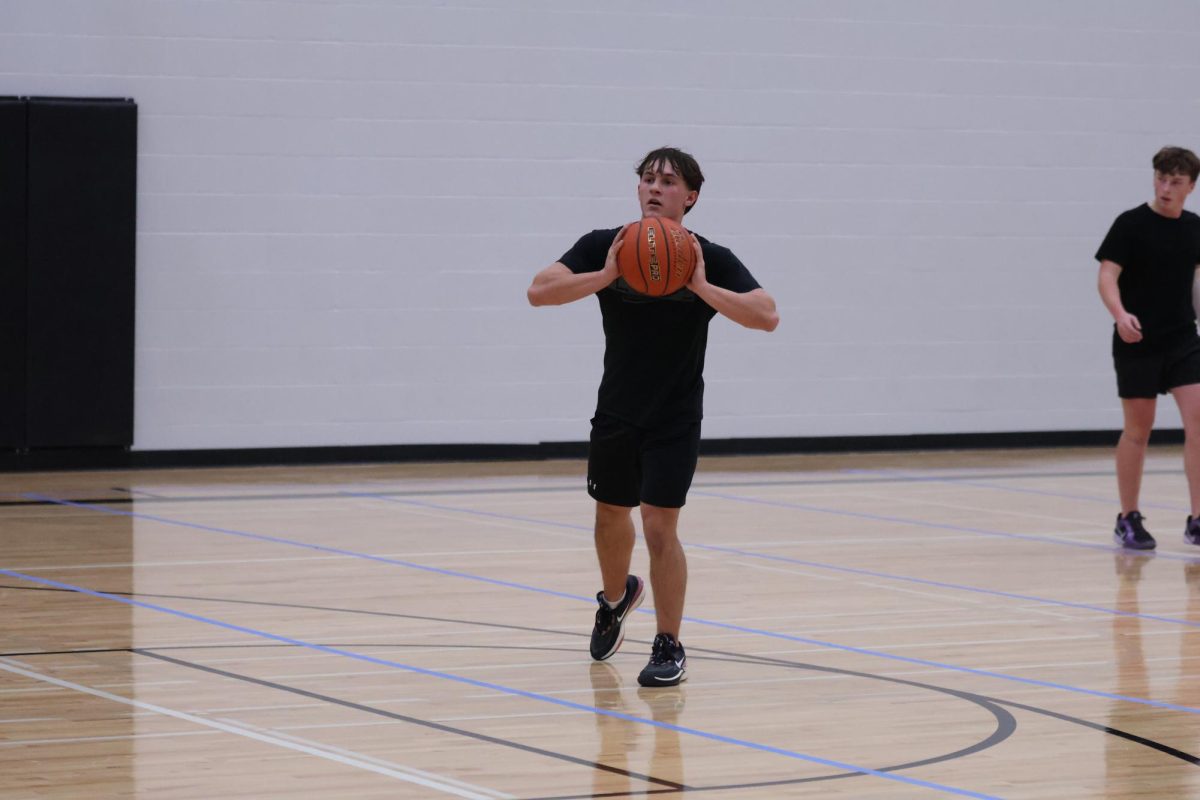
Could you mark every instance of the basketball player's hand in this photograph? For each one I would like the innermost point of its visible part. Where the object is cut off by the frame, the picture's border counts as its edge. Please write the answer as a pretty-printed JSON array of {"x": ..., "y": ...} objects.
[
  {"x": 610, "y": 261},
  {"x": 1128, "y": 328},
  {"x": 699, "y": 276}
]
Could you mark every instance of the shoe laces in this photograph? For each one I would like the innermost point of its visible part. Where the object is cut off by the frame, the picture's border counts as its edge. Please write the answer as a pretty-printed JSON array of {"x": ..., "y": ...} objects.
[
  {"x": 605, "y": 616},
  {"x": 1133, "y": 521},
  {"x": 663, "y": 649}
]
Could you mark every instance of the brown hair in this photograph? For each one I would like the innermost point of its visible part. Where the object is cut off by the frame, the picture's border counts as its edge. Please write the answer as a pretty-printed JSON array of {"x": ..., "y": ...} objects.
[
  {"x": 1177, "y": 161},
  {"x": 684, "y": 164}
]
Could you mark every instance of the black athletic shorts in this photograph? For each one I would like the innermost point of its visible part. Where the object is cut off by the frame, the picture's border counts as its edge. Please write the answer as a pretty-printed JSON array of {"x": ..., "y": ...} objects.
[
  {"x": 628, "y": 465},
  {"x": 1154, "y": 372}
]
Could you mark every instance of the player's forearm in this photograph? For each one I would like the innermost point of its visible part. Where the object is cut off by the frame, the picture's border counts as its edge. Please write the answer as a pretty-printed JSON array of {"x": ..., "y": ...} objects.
[
  {"x": 1111, "y": 298},
  {"x": 556, "y": 287},
  {"x": 754, "y": 309},
  {"x": 1196, "y": 293},
  {"x": 1110, "y": 293}
]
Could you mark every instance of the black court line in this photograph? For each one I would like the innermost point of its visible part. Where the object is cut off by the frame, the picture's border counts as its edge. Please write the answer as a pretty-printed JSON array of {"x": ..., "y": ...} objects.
[
  {"x": 167, "y": 499},
  {"x": 424, "y": 723},
  {"x": 308, "y": 607},
  {"x": 1006, "y": 725},
  {"x": 1005, "y": 728},
  {"x": 1159, "y": 746},
  {"x": 717, "y": 654}
]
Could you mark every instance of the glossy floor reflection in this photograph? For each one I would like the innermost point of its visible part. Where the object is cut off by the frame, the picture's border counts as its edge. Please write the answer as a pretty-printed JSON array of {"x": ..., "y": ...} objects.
[{"x": 859, "y": 626}]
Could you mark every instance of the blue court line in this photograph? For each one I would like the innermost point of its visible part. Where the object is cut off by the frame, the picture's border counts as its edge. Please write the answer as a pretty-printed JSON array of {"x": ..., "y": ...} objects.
[
  {"x": 914, "y": 478},
  {"x": 295, "y": 543},
  {"x": 802, "y": 562},
  {"x": 945, "y": 585},
  {"x": 1107, "y": 548},
  {"x": 500, "y": 688},
  {"x": 696, "y": 620}
]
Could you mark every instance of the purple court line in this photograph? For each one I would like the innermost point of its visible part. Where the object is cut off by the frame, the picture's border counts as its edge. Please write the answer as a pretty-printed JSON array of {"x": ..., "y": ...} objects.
[
  {"x": 294, "y": 543},
  {"x": 937, "y": 525},
  {"x": 914, "y": 478},
  {"x": 697, "y": 620},
  {"x": 802, "y": 562},
  {"x": 499, "y": 687},
  {"x": 945, "y": 585}
]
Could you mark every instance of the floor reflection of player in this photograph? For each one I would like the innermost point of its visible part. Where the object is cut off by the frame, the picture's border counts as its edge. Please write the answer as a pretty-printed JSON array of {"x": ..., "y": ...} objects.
[
  {"x": 1124, "y": 759},
  {"x": 1187, "y": 691},
  {"x": 616, "y": 735},
  {"x": 1134, "y": 771},
  {"x": 666, "y": 703},
  {"x": 619, "y": 736}
]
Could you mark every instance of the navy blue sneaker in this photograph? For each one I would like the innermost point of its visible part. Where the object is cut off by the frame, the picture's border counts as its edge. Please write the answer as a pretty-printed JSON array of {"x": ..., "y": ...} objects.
[
  {"x": 609, "y": 630},
  {"x": 668, "y": 663},
  {"x": 1191, "y": 531},
  {"x": 1131, "y": 533}
]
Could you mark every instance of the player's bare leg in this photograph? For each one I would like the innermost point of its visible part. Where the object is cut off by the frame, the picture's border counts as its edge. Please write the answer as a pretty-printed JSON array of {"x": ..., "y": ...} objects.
[
  {"x": 668, "y": 565},
  {"x": 1188, "y": 400},
  {"x": 1131, "y": 449},
  {"x": 614, "y": 538},
  {"x": 668, "y": 576}
]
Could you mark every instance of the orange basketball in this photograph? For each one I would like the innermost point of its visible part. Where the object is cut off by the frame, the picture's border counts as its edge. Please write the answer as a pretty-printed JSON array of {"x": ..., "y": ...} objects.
[{"x": 656, "y": 256}]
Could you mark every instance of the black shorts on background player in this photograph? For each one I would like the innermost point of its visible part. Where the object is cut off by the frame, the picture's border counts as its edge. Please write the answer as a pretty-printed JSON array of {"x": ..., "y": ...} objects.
[{"x": 1158, "y": 369}]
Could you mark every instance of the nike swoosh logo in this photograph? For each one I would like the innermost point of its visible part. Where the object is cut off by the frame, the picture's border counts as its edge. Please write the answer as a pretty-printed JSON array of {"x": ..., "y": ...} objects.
[{"x": 679, "y": 671}]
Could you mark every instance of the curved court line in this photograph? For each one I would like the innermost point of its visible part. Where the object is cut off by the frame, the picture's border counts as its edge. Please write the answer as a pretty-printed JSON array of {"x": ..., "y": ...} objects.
[
  {"x": 710, "y": 623},
  {"x": 1006, "y": 725},
  {"x": 1000, "y": 734},
  {"x": 717, "y": 655},
  {"x": 495, "y": 687},
  {"x": 938, "y": 525}
]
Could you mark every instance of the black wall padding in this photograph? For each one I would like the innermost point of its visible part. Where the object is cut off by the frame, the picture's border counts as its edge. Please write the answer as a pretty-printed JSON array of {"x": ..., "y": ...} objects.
[
  {"x": 12, "y": 272},
  {"x": 81, "y": 232}
]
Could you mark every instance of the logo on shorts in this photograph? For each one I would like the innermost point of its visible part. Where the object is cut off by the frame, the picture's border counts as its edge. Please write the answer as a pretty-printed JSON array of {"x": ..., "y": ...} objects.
[{"x": 592, "y": 486}]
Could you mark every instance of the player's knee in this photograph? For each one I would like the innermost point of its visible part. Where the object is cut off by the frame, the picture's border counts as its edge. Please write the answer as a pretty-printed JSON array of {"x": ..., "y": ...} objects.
[
  {"x": 664, "y": 544},
  {"x": 1135, "y": 437},
  {"x": 607, "y": 514}
]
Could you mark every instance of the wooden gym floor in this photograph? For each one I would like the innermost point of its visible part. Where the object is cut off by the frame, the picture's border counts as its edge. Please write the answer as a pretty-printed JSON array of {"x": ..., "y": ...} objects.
[{"x": 861, "y": 626}]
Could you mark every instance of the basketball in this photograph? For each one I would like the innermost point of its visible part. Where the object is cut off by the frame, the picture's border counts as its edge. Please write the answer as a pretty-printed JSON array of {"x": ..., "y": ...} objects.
[{"x": 656, "y": 256}]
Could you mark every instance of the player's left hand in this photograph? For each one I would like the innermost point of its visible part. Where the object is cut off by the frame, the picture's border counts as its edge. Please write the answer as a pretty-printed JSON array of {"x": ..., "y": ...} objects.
[{"x": 699, "y": 276}]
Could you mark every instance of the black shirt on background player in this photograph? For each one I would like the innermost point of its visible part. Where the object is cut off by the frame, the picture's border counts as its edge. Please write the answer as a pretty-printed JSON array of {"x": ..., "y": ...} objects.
[
  {"x": 654, "y": 347},
  {"x": 1158, "y": 257}
]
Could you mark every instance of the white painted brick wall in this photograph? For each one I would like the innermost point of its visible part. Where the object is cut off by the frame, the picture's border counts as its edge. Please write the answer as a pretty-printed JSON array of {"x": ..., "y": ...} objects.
[{"x": 341, "y": 203}]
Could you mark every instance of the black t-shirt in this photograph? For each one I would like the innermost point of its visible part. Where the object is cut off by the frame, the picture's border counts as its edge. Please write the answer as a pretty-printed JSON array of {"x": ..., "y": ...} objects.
[
  {"x": 1158, "y": 258},
  {"x": 654, "y": 347}
]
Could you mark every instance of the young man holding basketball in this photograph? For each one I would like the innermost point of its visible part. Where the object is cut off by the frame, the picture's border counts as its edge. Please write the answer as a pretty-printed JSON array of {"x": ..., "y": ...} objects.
[
  {"x": 645, "y": 437},
  {"x": 1148, "y": 277}
]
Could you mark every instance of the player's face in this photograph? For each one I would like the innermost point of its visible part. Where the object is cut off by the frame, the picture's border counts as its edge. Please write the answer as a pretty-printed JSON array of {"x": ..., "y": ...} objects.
[
  {"x": 662, "y": 193},
  {"x": 1169, "y": 193}
]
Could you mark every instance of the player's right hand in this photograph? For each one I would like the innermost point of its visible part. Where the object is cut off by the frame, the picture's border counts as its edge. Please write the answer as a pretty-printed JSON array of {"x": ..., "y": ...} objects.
[{"x": 1129, "y": 328}]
